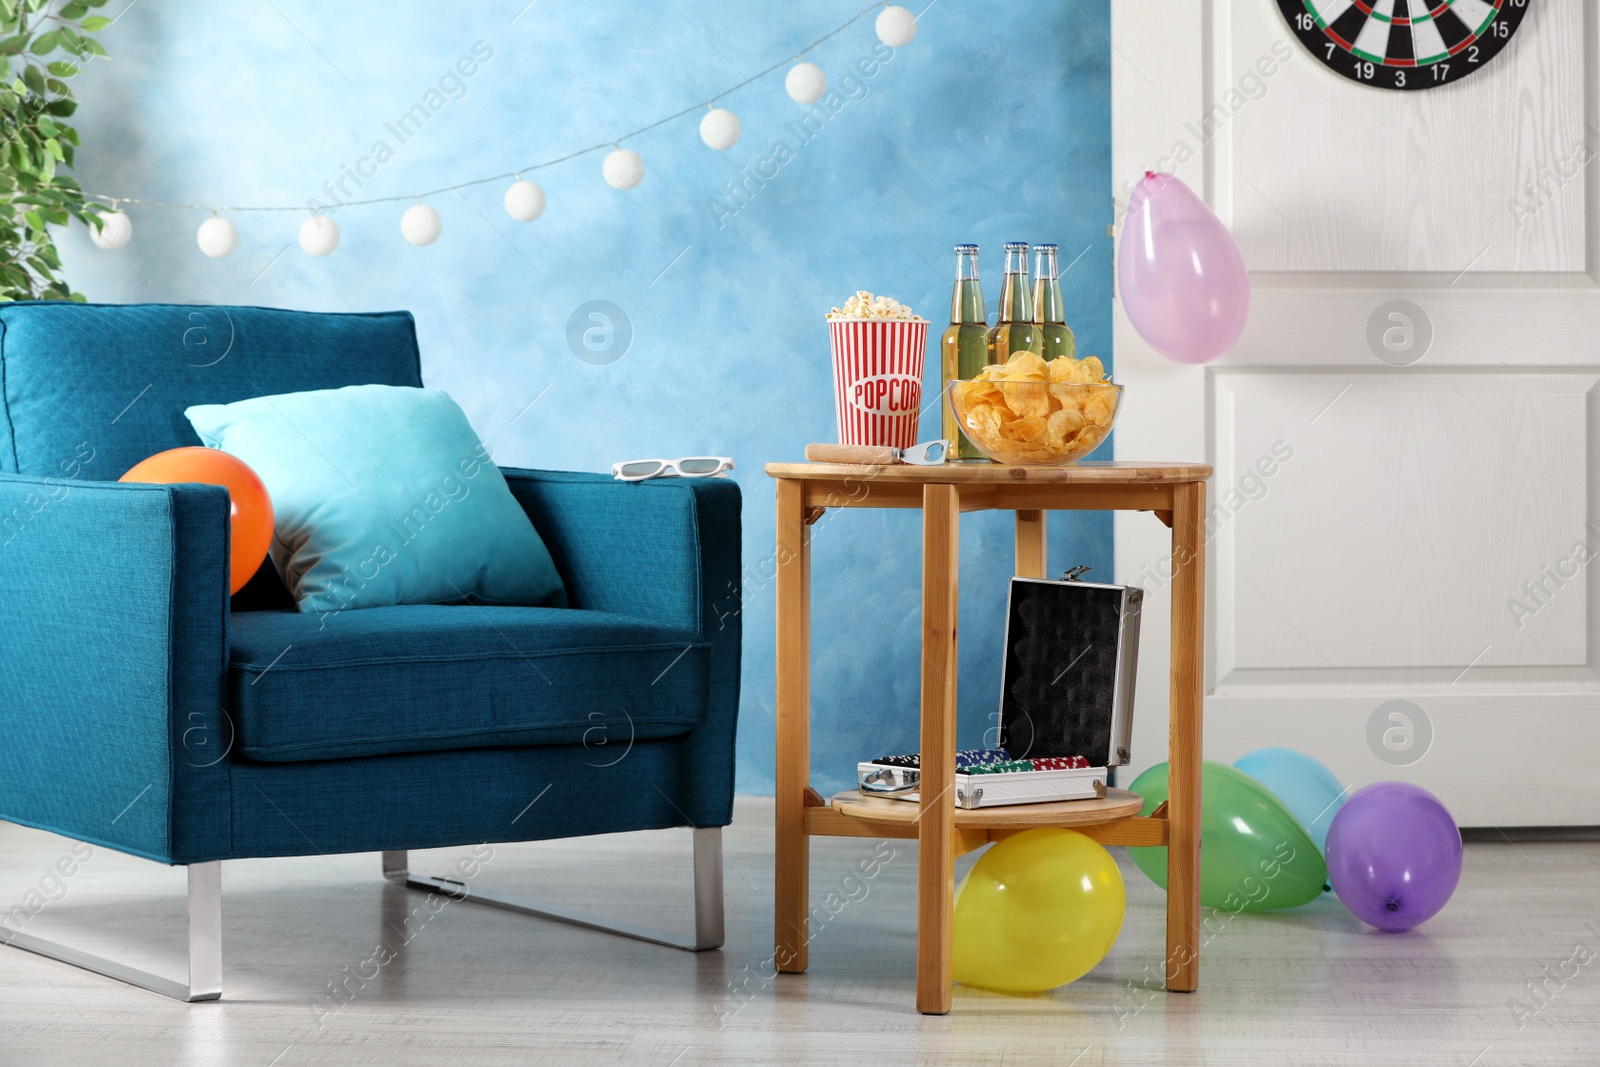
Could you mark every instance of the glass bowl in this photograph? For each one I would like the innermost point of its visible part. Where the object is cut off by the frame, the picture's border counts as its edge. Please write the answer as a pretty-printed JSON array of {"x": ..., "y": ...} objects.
[{"x": 1034, "y": 423}]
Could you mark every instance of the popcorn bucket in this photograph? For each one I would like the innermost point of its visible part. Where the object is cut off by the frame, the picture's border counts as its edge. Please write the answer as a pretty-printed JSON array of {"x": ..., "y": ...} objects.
[{"x": 877, "y": 379}]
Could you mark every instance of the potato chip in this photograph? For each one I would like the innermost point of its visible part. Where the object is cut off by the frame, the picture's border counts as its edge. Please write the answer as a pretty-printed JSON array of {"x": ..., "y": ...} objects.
[
  {"x": 1065, "y": 369},
  {"x": 1026, "y": 366},
  {"x": 1067, "y": 394},
  {"x": 983, "y": 423},
  {"x": 1098, "y": 409},
  {"x": 985, "y": 393},
  {"x": 1031, "y": 431},
  {"x": 1028, "y": 399},
  {"x": 1064, "y": 425}
]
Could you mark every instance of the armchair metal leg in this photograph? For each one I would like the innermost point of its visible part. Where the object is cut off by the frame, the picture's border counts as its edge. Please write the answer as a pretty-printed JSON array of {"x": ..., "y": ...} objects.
[
  {"x": 205, "y": 945},
  {"x": 708, "y": 924}
]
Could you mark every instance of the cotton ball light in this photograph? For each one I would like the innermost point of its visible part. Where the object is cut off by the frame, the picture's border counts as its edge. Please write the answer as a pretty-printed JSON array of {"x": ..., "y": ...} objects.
[
  {"x": 624, "y": 168},
  {"x": 720, "y": 129},
  {"x": 217, "y": 237},
  {"x": 319, "y": 235},
  {"x": 524, "y": 201},
  {"x": 421, "y": 225},
  {"x": 116, "y": 230},
  {"x": 896, "y": 26},
  {"x": 805, "y": 83}
]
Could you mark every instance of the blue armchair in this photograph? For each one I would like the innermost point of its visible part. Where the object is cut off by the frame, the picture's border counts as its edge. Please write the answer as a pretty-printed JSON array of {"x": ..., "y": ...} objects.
[{"x": 142, "y": 710}]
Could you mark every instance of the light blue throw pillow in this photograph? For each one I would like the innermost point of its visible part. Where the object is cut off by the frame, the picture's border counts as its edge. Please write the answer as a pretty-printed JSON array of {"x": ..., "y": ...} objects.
[{"x": 383, "y": 495}]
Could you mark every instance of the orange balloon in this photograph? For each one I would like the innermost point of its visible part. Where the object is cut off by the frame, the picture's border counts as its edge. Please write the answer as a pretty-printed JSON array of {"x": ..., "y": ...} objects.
[{"x": 249, "y": 504}]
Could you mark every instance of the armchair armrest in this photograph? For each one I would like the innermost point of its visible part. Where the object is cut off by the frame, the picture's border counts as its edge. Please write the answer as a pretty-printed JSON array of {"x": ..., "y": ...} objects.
[
  {"x": 113, "y": 655},
  {"x": 667, "y": 549}
]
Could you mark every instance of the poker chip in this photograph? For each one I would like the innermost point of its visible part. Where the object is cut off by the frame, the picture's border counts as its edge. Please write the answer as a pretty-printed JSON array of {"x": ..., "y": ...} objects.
[
  {"x": 991, "y": 761},
  {"x": 1059, "y": 763},
  {"x": 1001, "y": 767}
]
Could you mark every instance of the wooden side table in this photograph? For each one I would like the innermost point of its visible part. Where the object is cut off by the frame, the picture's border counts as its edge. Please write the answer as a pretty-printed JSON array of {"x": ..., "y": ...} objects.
[{"x": 1176, "y": 493}]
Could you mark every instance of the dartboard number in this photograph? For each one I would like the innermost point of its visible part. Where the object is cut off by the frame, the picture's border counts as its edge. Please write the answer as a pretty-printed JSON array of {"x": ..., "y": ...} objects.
[{"x": 1387, "y": 43}]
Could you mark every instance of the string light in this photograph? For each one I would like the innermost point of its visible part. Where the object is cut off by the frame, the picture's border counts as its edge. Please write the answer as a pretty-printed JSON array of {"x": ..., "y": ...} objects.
[
  {"x": 319, "y": 235},
  {"x": 217, "y": 237},
  {"x": 805, "y": 83},
  {"x": 524, "y": 200},
  {"x": 116, "y": 229},
  {"x": 720, "y": 129},
  {"x": 421, "y": 225},
  {"x": 896, "y": 26},
  {"x": 623, "y": 168}
]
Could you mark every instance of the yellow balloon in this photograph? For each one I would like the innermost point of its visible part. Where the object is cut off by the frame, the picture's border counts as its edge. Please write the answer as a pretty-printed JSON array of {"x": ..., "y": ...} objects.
[{"x": 1039, "y": 909}]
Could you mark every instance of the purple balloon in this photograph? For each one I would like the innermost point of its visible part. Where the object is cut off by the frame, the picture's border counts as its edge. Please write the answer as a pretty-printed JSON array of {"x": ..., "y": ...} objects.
[
  {"x": 1180, "y": 275},
  {"x": 1394, "y": 855}
]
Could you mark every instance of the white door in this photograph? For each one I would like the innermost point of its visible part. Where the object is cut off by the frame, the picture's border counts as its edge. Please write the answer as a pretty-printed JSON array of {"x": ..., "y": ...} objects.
[{"x": 1403, "y": 507}]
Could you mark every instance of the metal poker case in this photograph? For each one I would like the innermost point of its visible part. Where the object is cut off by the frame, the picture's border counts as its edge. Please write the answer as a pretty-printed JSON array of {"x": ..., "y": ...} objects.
[{"x": 1066, "y": 700}]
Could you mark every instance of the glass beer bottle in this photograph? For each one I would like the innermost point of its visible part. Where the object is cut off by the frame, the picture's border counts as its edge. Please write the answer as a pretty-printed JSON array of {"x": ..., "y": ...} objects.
[
  {"x": 965, "y": 345},
  {"x": 1049, "y": 313},
  {"x": 1016, "y": 330}
]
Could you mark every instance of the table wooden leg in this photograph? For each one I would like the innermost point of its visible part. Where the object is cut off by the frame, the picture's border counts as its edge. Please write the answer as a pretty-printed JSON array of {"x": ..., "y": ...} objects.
[
  {"x": 936, "y": 823},
  {"x": 793, "y": 775},
  {"x": 1183, "y": 802},
  {"x": 1031, "y": 555}
]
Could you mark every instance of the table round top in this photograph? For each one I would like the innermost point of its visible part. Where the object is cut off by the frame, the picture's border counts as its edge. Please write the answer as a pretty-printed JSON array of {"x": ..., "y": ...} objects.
[{"x": 1113, "y": 472}]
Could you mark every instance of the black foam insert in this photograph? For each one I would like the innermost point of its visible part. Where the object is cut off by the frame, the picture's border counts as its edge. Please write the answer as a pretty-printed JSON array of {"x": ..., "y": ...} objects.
[{"x": 1059, "y": 684}]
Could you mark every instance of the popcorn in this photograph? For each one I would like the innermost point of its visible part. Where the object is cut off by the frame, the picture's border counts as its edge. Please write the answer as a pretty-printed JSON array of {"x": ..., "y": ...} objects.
[{"x": 866, "y": 306}]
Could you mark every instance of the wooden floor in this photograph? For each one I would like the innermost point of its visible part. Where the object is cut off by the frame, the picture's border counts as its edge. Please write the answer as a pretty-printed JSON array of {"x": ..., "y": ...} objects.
[{"x": 478, "y": 986}]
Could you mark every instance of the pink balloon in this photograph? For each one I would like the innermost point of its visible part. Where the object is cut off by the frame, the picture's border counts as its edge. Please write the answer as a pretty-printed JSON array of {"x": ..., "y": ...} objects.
[{"x": 1181, "y": 276}]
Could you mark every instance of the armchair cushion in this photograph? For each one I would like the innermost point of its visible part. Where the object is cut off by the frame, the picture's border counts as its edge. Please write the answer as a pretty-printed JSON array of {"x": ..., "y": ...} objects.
[
  {"x": 382, "y": 496},
  {"x": 428, "y": 677}
]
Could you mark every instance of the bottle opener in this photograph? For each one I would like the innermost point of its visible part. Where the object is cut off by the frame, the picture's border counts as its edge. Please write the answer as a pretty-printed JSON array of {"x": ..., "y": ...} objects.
[{"x": 924, "y": 454}]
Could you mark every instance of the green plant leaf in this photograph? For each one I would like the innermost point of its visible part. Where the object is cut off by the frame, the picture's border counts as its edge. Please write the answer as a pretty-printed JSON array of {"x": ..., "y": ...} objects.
[{"x": 34, "y": 141}]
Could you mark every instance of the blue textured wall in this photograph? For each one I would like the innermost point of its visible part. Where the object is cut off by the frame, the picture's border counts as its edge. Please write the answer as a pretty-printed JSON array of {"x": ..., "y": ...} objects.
[{"x": 994, "y": 124}]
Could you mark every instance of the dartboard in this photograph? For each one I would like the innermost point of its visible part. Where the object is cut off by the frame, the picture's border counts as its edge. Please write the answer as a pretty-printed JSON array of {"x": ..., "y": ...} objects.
[{"x": 1404, "y": 44}]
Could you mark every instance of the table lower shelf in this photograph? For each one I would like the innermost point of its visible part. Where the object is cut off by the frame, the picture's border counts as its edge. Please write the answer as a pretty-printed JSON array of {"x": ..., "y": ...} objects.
[{"x": 1114, "y": 820}]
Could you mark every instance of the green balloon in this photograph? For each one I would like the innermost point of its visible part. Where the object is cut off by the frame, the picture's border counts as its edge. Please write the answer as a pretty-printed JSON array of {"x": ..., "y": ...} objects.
[{"x": 1254, "y": 855}]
